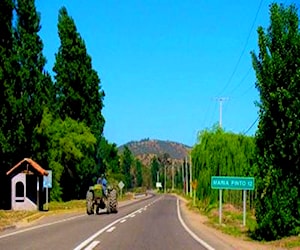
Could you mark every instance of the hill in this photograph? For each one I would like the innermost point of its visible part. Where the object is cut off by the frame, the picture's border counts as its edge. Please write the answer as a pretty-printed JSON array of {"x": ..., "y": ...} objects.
[{"x": 146, "y": 149}]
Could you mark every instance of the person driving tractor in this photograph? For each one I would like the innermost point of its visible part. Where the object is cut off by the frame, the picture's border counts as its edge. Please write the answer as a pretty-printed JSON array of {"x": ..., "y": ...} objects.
[{"x": 103, "y": 182}]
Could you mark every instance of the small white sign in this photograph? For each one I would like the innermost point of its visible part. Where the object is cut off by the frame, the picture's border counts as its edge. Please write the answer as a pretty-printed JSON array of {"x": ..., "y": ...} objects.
[
  {"x": 158, "y": 185},
  {"x": 121, "y": 184}
]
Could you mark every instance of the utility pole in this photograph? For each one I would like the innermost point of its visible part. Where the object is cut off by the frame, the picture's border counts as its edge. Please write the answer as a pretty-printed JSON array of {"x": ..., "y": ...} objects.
[
  {"x": 182, "y": 173},
  {"x": 191, "y": 177},
  {"x": 221, "y": 100},
  {"x": 186, "y": 177},
  {"x": 172, "y": 176},
  {"x": 165, "y": 184}
]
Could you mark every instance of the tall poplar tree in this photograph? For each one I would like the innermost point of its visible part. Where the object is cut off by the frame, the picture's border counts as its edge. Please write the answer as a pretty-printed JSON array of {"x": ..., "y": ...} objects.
[
  {"x": 6, "y": 79},
  {"x": 7, "y": 99},
  {"x": 33, "y": 88},
  {"x": 79, "y": 97},
  {"x": 77, "y": 84},
  {"x": 277, "y": 139}
]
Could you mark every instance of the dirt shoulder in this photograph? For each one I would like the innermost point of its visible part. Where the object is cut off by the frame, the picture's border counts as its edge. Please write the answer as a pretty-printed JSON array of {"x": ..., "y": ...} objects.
[{"x": 199, "y": 224}]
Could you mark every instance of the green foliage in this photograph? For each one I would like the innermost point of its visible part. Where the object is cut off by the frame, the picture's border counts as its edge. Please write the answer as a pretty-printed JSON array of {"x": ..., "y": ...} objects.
[
  {"x": 33, "y": 88},
  {"x": 139, "y": 173},
  {"x": 79, "y": 97},
  {"x": 77, "y": 84},
  {"x": 70, "y": 139},
  {"x": 277, "y": 139},
  {"x": 126, "y": 165},
  {"x": 154, "y": 170},
  {"x": 7, "y": 108},
  {"x": 220, "y": 153},
  {"x": 65, "y": 140}
]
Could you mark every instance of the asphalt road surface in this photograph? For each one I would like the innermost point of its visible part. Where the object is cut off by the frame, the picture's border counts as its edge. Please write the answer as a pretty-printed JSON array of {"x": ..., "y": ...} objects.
[{"x": 153, "y": 223}]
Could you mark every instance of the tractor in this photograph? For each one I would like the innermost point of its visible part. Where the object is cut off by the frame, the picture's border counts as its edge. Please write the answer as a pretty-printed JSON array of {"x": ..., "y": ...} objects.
[{"x": 97, "y": 199}]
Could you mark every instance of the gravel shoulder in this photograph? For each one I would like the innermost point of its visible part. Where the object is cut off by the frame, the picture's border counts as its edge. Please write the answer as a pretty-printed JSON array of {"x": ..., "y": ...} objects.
[{"x": 217, "y": 239}]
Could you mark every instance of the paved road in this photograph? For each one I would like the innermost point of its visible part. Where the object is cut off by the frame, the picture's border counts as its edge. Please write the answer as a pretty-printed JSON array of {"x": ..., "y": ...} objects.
[{"x": 153, "y": 223}]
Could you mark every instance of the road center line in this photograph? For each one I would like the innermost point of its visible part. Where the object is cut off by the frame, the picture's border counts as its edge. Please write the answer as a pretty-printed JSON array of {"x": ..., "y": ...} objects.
[
  {"x": 92, "y": 245},
  {"x": 91, "y": 238},
  {"x": 202, "y": 242},
  {"x": 111, "y": 229}
]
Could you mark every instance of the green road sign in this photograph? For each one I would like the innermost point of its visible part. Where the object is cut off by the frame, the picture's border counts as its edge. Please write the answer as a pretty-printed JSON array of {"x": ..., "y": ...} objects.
[{"x": 232, "y": 182}]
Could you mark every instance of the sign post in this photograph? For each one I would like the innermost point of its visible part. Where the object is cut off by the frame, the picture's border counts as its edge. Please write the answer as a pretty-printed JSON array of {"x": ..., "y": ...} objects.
[
  {"x": 121, "y": 185},
  {"x": 47, "y": 183},
  {"x": 233, "y": 183}
]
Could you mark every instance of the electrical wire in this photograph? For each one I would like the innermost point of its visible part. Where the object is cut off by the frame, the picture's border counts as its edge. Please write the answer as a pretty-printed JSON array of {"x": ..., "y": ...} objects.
[
  {"x": 244, "y": 49},
  {"x": 251, "y": 126}
]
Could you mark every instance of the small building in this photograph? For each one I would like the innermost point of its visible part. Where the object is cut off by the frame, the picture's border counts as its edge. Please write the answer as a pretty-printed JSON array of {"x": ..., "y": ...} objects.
[{"x": 27, "y": 185}]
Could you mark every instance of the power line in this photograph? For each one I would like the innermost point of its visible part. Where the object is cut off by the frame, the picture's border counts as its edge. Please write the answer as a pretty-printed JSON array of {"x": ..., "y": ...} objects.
[
  {"x": 244, "y": 49},
  {"x": 240, "y": 83},
  {"x": 251, "y": 126}
]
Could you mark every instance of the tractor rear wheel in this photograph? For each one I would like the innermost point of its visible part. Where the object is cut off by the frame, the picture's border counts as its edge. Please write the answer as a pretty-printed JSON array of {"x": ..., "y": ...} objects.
[
  {"x": 89, "y": 202},
  {"x": 113, "y": 202}
]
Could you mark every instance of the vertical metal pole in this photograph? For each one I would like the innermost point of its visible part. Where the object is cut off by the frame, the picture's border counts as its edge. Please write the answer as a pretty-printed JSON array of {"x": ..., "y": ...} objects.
[
  {"x": 220, "y": 118},
  {"x": 165, "y": 184},
  {"x": 47, "y": 205},
  {"x": 157, "y": 176},
  {"x": 38, "y": 193},
  {"x": 220, "y": 206},
  {"x": 244, "y": 207},
  {"x": 182, "y": 172},
  {"x": 186, "y": 178},
  {"x": 172, "y": 176},
  {"x": 191, "y": 178}
]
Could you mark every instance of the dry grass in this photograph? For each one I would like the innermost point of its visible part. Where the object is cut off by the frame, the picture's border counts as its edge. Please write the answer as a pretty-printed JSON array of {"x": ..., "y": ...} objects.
[{"x": 9, "y": 217}]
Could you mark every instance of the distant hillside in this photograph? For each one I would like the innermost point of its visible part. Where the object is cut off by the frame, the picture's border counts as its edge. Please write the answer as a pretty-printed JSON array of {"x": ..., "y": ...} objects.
[{"x": 146, "y": 149}]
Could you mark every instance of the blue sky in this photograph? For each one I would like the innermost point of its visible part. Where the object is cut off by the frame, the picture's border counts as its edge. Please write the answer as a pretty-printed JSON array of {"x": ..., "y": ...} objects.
[{"x": 163, "y": 64}]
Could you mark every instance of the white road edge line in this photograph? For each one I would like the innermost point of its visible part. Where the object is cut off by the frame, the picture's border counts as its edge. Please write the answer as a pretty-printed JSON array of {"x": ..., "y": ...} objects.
[
  {"x": 92, "y": 245},
  {"x": 40, "y": 226},
  {"x": 202, "y": 242},
  {"x": 91, "y": 238},
  {"x": 122, "y": 221}
]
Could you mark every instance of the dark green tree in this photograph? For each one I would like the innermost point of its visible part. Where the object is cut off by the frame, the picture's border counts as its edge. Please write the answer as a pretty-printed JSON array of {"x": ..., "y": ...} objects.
[
  {"x": 277, "y": 139},
  {"x": 139, "y": 173},
  {"x": 154, "y": 170},
  {"x": 111, "y": 164},
  {"x": 6, "y": 78},
  {"x": 7, "y": 103},
  {"x": 77, "y": 84},
  {"x": 33, "y": 88},
  {"x": 78, "y": 90},
  {"x": 126, "y": 166}
]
